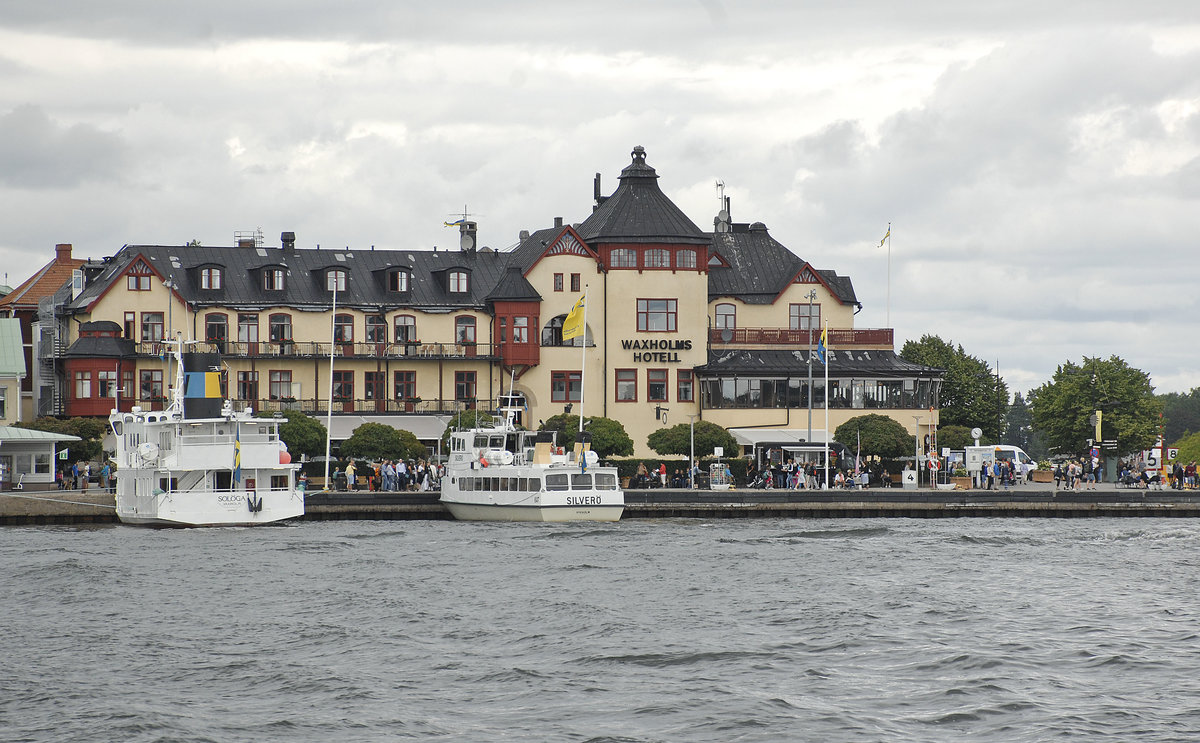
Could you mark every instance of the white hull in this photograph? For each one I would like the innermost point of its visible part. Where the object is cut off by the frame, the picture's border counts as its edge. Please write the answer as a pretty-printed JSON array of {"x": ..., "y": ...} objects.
[
  {"x": 208, "y": 508},
  {"x": 496, "y": 512}
]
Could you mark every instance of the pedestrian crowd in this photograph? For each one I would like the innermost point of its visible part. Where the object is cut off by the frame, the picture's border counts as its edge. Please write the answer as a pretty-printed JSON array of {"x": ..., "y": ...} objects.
[{"x": 391, "y": 476}]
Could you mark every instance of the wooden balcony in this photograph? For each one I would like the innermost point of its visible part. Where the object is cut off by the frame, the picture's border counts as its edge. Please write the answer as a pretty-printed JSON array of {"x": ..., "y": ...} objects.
[{"x": 841, "y": 338}]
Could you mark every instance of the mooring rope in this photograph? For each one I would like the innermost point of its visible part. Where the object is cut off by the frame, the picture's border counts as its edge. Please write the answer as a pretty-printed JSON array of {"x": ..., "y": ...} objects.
[{"x": 57, "y": 500}]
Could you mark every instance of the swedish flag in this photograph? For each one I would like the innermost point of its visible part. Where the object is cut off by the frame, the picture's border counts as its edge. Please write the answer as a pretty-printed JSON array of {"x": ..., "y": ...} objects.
[
  {"x": 823, "y": 344},
  {"x": 237, "y": 455}
]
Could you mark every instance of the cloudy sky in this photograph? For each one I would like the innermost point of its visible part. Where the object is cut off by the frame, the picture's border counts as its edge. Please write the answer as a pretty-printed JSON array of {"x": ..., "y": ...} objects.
[{"x": 1039, "y": 162}]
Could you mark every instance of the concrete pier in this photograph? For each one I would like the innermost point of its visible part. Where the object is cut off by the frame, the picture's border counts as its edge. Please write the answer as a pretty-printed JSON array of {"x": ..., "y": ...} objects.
[{"x": 1029, "y": 501}]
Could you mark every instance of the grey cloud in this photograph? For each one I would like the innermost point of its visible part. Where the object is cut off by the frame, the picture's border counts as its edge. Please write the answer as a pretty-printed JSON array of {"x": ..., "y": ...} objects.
[{"x": 37, "y": 152}]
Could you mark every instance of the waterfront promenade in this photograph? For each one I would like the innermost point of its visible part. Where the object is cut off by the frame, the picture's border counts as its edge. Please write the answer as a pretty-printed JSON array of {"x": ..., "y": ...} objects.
[{"x": 1033, "y": 500}]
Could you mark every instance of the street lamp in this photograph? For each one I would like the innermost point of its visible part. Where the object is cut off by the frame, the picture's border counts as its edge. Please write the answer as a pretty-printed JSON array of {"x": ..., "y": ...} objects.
[{"x": 692, "y": 456}]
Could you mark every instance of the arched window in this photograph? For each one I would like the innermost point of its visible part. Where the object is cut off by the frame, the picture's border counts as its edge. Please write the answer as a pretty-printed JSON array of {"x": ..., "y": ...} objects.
[
  {"x": 273, "y": 279},
  {"x": 376, "y": 329},
  {"x": 552, "y": 334},
  {"x": 458, "y": 282},
  {"x": 726, "y": 316},
  {"x": 406, "y": 328},
  {"x": 280, "y": 326},
  {"x": 343, "y": 328},
  {"x": 335, "y": 278},
  {"x": 464, "y": 329}
]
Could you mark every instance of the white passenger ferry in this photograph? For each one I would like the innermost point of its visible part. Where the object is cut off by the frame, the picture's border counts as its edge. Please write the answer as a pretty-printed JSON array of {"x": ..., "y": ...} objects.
[
  {"x": 502, "y": 474},
  {"x": 199, "y": 462}
]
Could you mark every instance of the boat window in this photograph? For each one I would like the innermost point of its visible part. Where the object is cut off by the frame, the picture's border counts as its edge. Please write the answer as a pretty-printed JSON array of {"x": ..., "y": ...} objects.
[
  {"x": 167, "y": 484},
  {"x": 464, "y": 484},
  {"x": 279, "y": 482},
  {"x": 116, "y": 425},
  {"x": 581, "y": 482},
  {"x": 456, "y": 444},
  {"x": 606, "y": 481},
  {"x": 493, "y": 483},
  {"x": 481, "y": 440},
  {"x": 556, "y": 482},
  {"x": 498, "y": 442},
  {"x": 534, "y": 485},
  {"x": 510, "y": 483}
]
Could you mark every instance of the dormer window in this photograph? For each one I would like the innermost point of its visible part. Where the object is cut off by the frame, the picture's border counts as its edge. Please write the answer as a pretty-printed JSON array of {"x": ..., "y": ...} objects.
[
  {"x": 335, "y": 279},
  {"x": 138, "y": 279},
  {"x": 273, "y": 279},
  {"x": 458, "y": 282},
  {"x": 210, "y": 278},
  {"x": 398, "y": 281}
]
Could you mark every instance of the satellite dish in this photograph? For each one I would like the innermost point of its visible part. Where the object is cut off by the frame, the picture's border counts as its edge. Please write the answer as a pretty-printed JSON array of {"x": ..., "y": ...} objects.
[
  {"x": 148, "y": 451},
  {"x": 726, "y": 335}
]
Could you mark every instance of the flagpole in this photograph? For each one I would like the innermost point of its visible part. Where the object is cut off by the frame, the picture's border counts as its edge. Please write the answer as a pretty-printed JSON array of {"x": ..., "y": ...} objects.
[
  {"x": 329, "y": 412},
  {"x": 826, "y": 334},
  {"x": 889, "y": 276},
  {"x": 582, "y": 358}
]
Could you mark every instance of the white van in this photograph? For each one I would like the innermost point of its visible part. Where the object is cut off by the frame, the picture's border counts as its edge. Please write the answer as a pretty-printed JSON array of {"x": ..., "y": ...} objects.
[{"x": 1023, "y": 464}]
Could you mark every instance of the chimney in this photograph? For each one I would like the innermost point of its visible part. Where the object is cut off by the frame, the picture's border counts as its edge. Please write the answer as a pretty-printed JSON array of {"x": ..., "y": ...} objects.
[
  {"x": 523, "y": 236},
  {"x": 557, "y": 222},
  {"x": 467, "y": 234},
  {"x": 288, "y": 240},
  {"x": 62, "y": 252}
]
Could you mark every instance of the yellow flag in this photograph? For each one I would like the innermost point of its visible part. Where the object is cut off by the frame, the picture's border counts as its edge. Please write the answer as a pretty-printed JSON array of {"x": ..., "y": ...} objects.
[
  {"x": 886, "y": 236},
  {"x": 573, "y": 325}
]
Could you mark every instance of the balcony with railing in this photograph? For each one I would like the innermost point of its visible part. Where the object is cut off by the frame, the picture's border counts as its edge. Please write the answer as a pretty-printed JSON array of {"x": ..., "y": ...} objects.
[
  {"x": 312, "y": 349},
  {"x": 838, "y": 338},
  {"x": 321, "y": 406}
]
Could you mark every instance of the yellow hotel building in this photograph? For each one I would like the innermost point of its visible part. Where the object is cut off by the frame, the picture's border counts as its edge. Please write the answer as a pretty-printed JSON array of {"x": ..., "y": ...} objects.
[{"x": 681, "y": 323}]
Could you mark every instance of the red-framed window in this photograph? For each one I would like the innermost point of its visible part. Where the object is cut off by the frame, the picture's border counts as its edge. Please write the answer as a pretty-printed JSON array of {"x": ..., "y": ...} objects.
[
  {"x": 626, "y": 386},
  {"x": 280, "y": 327},
  {"x": 273, "y": 279},
  {"x": 464, "y": 329},
  {"x": 83, "y": 385},
  {"x": 623, "y": 258},
  {"x": 566, "y": 386},
  {"x": 335, "y": 278},
  {"x": 459, "y": 282},
  {"x": 376, "y": 329},
  {"x": 685, "y": 390},
  {"x": 373, "y": 385},
  {"x": 658, "y": 258},
  {"x": 343, "y": 385},
  {"x": 558, "y": 282},
  {"x": 151, "y": 387},
  {"x": 685, "y": 258},
  {"x": 279, "y": 384},
  {"x": 657, "y": 315},
  {"x": 520, "y": 330},
  {"x": 216, "y": 327},
  {"x": 464, "y": 386},
  {"x": 152, "y": 326},
  {"x": 802, "y": 317},
  {"x": 575, "y": 282},
  {"x": 657, "y": 382},
  {"x": 247, "y": 385},
  {"x": 343, "y": 328},
  {"x": 405, "y": 385},
  {"x": 406, "y": 328},
  {"x": 210, "y": 278}
]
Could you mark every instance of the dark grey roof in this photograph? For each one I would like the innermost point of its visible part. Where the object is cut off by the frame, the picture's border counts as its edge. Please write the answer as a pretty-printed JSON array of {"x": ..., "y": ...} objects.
[
  {"x": 366, "y": 286},
  {"x": 760, "y": 267},
  {"x": 531, "y": 248},
  {"x": 639, "y": 212},
  {"x": 842, "y": 363},
  {"x": 514, "y": 287},
  {"x": 105, "y": 346}
]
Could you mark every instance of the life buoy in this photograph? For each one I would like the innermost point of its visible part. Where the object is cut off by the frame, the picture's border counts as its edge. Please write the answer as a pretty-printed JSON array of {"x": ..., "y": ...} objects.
[{"x": 483, "y": 461}]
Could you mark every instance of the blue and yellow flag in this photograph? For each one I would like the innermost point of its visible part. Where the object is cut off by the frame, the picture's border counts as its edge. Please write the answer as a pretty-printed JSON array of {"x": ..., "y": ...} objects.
[
  {"x": 823, "y": 344},
  {"x": 237, "y": 455},
  {"x": 573, "y": 325},
  {"x": 202, "y": 384}
]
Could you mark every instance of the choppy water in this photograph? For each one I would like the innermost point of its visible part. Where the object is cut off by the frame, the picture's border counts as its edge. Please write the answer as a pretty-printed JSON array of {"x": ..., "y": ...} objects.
[{"x": 896, "y": 630}]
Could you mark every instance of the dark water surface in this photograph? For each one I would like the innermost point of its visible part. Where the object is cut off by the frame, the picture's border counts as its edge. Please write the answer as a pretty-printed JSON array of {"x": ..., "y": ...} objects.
[{"x": 889, "y": 630}]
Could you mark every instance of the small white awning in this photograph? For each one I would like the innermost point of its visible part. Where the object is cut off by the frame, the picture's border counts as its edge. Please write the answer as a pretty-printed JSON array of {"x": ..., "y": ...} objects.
[
  {"x": 424, "y": 427},
  {"x": 752, "y": 437}
]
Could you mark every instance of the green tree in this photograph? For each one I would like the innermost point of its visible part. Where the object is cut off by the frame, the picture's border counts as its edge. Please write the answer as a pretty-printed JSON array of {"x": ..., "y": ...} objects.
[
  {"x": 879, "y": 435},
  {"x": 677, "y": 439},
  {"x": 1181, "y": 414},
  {"x": 609, "y": 438},
  {"x": 463, "y": 420},
  {"x": 1062, "y": 407},
  {"x": 955, "y": 437},
  {"x": 376, "y": 441},
  {"x": 972, "y": 393},
  {"x": 302, "y": 434},
  {"x": 1018, "y": 423},
  {"x": 91, "y": 430},
  {"x": 1189, "y": 448}
]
